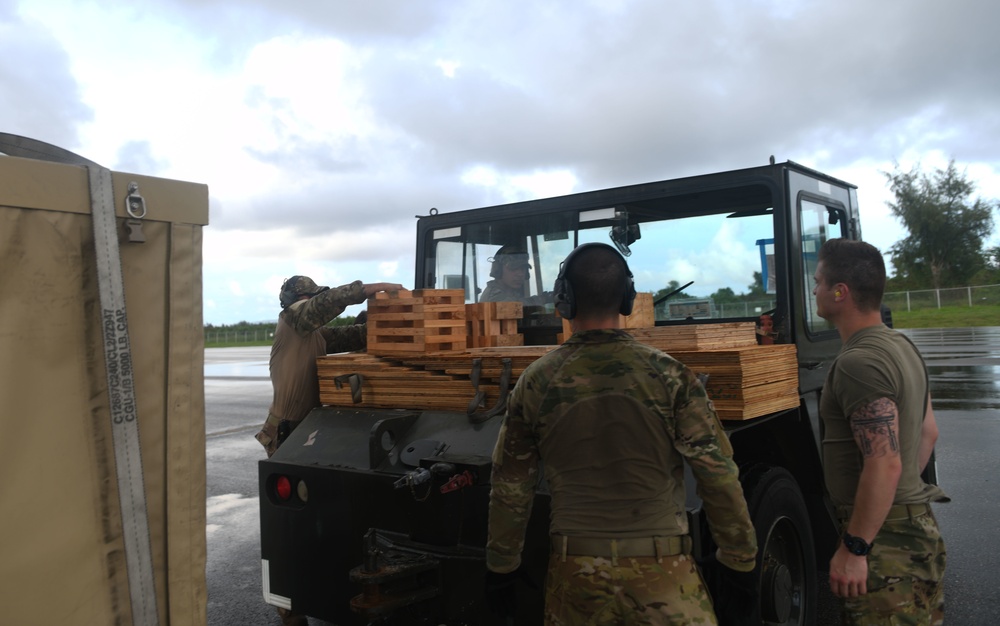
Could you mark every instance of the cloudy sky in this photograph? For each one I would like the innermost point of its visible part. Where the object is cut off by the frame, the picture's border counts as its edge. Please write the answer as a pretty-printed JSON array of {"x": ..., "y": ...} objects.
[{"x": 322, "y": 127}]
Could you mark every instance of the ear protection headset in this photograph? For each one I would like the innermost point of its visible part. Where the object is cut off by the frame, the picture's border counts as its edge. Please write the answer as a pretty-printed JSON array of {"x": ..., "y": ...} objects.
[
  {"x": 564, "y": 299},
  {"x": 288, "y": 295},
  {"x": 496, "y": 269}
]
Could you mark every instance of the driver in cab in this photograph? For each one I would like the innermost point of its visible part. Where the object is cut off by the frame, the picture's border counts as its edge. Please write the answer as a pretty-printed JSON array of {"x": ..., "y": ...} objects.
[{"x": 510, "y": 273}]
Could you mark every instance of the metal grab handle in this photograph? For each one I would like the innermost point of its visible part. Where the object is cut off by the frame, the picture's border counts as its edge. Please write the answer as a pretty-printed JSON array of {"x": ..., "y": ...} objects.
[
  {"x": 477, "y": 417},
  {"x": 354, "y": 380}
]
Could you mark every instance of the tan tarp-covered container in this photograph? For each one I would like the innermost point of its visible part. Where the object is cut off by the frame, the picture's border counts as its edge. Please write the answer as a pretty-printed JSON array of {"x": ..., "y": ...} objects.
[{"x": 62, "y": 558}]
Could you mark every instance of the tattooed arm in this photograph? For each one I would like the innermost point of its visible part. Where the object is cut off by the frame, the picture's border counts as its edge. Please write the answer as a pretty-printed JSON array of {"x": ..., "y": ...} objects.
[{"x": 876, "y": 431}]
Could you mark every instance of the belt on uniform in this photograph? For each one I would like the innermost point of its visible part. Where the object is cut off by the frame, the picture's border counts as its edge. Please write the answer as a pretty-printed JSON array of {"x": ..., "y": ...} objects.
[
  {"x": 896, "y": 512},
  {"x": 658, "y": 547}
]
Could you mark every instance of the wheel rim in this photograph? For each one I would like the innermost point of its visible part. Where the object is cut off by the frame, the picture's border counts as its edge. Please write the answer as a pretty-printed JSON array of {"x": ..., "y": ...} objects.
[{"x": 782, "y": 575}]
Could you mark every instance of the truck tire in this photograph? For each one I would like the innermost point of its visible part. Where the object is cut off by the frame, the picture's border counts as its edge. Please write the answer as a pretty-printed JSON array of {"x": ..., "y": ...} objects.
[{"x": 786, "y": 557}]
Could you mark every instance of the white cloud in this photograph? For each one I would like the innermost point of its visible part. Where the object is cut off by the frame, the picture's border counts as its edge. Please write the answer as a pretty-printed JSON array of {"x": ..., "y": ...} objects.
[
  {"x": 511, "y": 188},
  {"x": 323, "y": 128},
  {"x": 448, "y": 68}
]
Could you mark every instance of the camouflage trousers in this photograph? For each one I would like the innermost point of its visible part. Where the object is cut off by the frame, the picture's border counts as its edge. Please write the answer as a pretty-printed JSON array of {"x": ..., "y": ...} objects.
[
  {"x": 590, "y": 591},
  {"x": 270, "y": 433},
  {"x": 905, "y": 576}
]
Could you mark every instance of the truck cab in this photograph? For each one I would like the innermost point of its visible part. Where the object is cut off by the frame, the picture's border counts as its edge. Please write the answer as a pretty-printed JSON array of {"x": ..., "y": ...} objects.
[{"x": 372, "y": 541}]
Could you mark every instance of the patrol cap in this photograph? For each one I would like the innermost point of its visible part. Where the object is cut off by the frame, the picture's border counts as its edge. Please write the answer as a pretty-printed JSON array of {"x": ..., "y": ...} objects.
[{"x": 297, "y": 286}]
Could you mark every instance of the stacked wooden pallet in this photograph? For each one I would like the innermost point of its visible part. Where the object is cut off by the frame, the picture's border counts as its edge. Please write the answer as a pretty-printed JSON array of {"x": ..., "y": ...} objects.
[
  {"x": 420, "y": 321},
  {"x": 427, "y": 350},
  {"x": 493, "y": 324}
]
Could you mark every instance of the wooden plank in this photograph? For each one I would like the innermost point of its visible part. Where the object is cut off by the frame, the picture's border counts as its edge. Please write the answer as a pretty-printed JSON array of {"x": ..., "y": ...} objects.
[
  {"x": 744, "y": 382},
  {"x": 501, "y": 340},
  {"x": 698, "y": 336},
  {"x": 643, "y": 315},
  {"x": 493, "y": 324}
]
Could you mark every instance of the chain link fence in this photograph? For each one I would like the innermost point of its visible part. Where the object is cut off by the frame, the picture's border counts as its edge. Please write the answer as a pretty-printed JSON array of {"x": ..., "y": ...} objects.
[
  {"x": 241, "y": 337},
  {"x": 982, "y": 295},
  {"x": 744, "y": 309}
]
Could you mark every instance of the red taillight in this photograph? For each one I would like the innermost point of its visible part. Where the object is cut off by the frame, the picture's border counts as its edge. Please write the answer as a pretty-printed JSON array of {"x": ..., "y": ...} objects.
[{"x": 284, "y": 487}]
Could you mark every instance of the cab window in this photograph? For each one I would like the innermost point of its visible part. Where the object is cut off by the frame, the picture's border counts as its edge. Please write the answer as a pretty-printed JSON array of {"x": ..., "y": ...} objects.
[{"x": 818, "y": 222}]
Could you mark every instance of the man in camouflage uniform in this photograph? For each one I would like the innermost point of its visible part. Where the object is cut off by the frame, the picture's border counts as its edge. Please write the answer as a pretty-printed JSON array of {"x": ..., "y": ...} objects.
[
  {"x": 613, "y": 420},
  {"x": 510, "y": 273},
  {"x": 879, "y": 435},
  {"x": 301, "y": 336}
]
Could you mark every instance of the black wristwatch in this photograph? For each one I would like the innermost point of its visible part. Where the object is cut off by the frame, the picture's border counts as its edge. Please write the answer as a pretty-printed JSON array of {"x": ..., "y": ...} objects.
[{"x": 857, "y": 545}]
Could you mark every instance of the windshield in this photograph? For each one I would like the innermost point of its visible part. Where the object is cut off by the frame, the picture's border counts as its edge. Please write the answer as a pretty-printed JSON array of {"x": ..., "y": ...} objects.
[{"x": 717, "y": 265}]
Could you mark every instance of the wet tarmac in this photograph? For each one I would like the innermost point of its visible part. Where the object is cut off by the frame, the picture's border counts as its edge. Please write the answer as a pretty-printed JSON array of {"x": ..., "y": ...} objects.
[{"x": 964, "y": 368}]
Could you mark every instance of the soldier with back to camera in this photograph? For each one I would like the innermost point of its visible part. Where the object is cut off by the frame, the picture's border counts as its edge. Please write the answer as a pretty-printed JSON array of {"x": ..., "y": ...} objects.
[{"x": 613, "y": 421}]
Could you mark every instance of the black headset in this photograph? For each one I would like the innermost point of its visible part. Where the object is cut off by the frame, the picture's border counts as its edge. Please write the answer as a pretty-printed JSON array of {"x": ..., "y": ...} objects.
[
  {"x": 496, "y": 269},
  {"x": 287, "y": 294},
  {"x": 564, "y": 299}
]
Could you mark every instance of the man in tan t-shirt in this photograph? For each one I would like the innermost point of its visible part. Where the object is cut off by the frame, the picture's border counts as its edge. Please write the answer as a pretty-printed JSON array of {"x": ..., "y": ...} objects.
[
  {"x": 879, "y": 433},
  {"x": 301, "y": 336}
]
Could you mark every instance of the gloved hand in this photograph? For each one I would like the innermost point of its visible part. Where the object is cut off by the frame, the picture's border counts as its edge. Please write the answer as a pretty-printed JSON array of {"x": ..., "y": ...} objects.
[
  {"x": 501, "y": 597},
  {"x": 736, "y": 594}
]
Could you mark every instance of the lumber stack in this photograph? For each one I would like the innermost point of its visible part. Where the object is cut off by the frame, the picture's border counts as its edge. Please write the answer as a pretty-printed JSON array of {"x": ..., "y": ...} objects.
[
  {"x": 418, "y": 359},
  {"x": 698, "y": 336},
  {"x": 748, "y": 381},
  {"x": 743, "y": 382},
  {"x": 440, "y": 382},
  {"x": 493, "y": 324},
  {"x": 419, "y": 321}
]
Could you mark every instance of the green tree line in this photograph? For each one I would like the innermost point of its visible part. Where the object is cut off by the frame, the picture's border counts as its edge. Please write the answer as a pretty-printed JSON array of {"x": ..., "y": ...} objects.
[
  {"x": 266, "y": 327},
  {"x": 725, "y": 295},
  {"x": 948, "y": 231}
]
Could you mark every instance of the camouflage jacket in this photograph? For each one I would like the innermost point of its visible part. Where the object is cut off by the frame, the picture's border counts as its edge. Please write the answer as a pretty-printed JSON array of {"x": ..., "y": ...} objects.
[
  {"x": 302, "y": 336},
  {"x": 307, "y": 316},
  {"x": 613, "y": 421}
]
